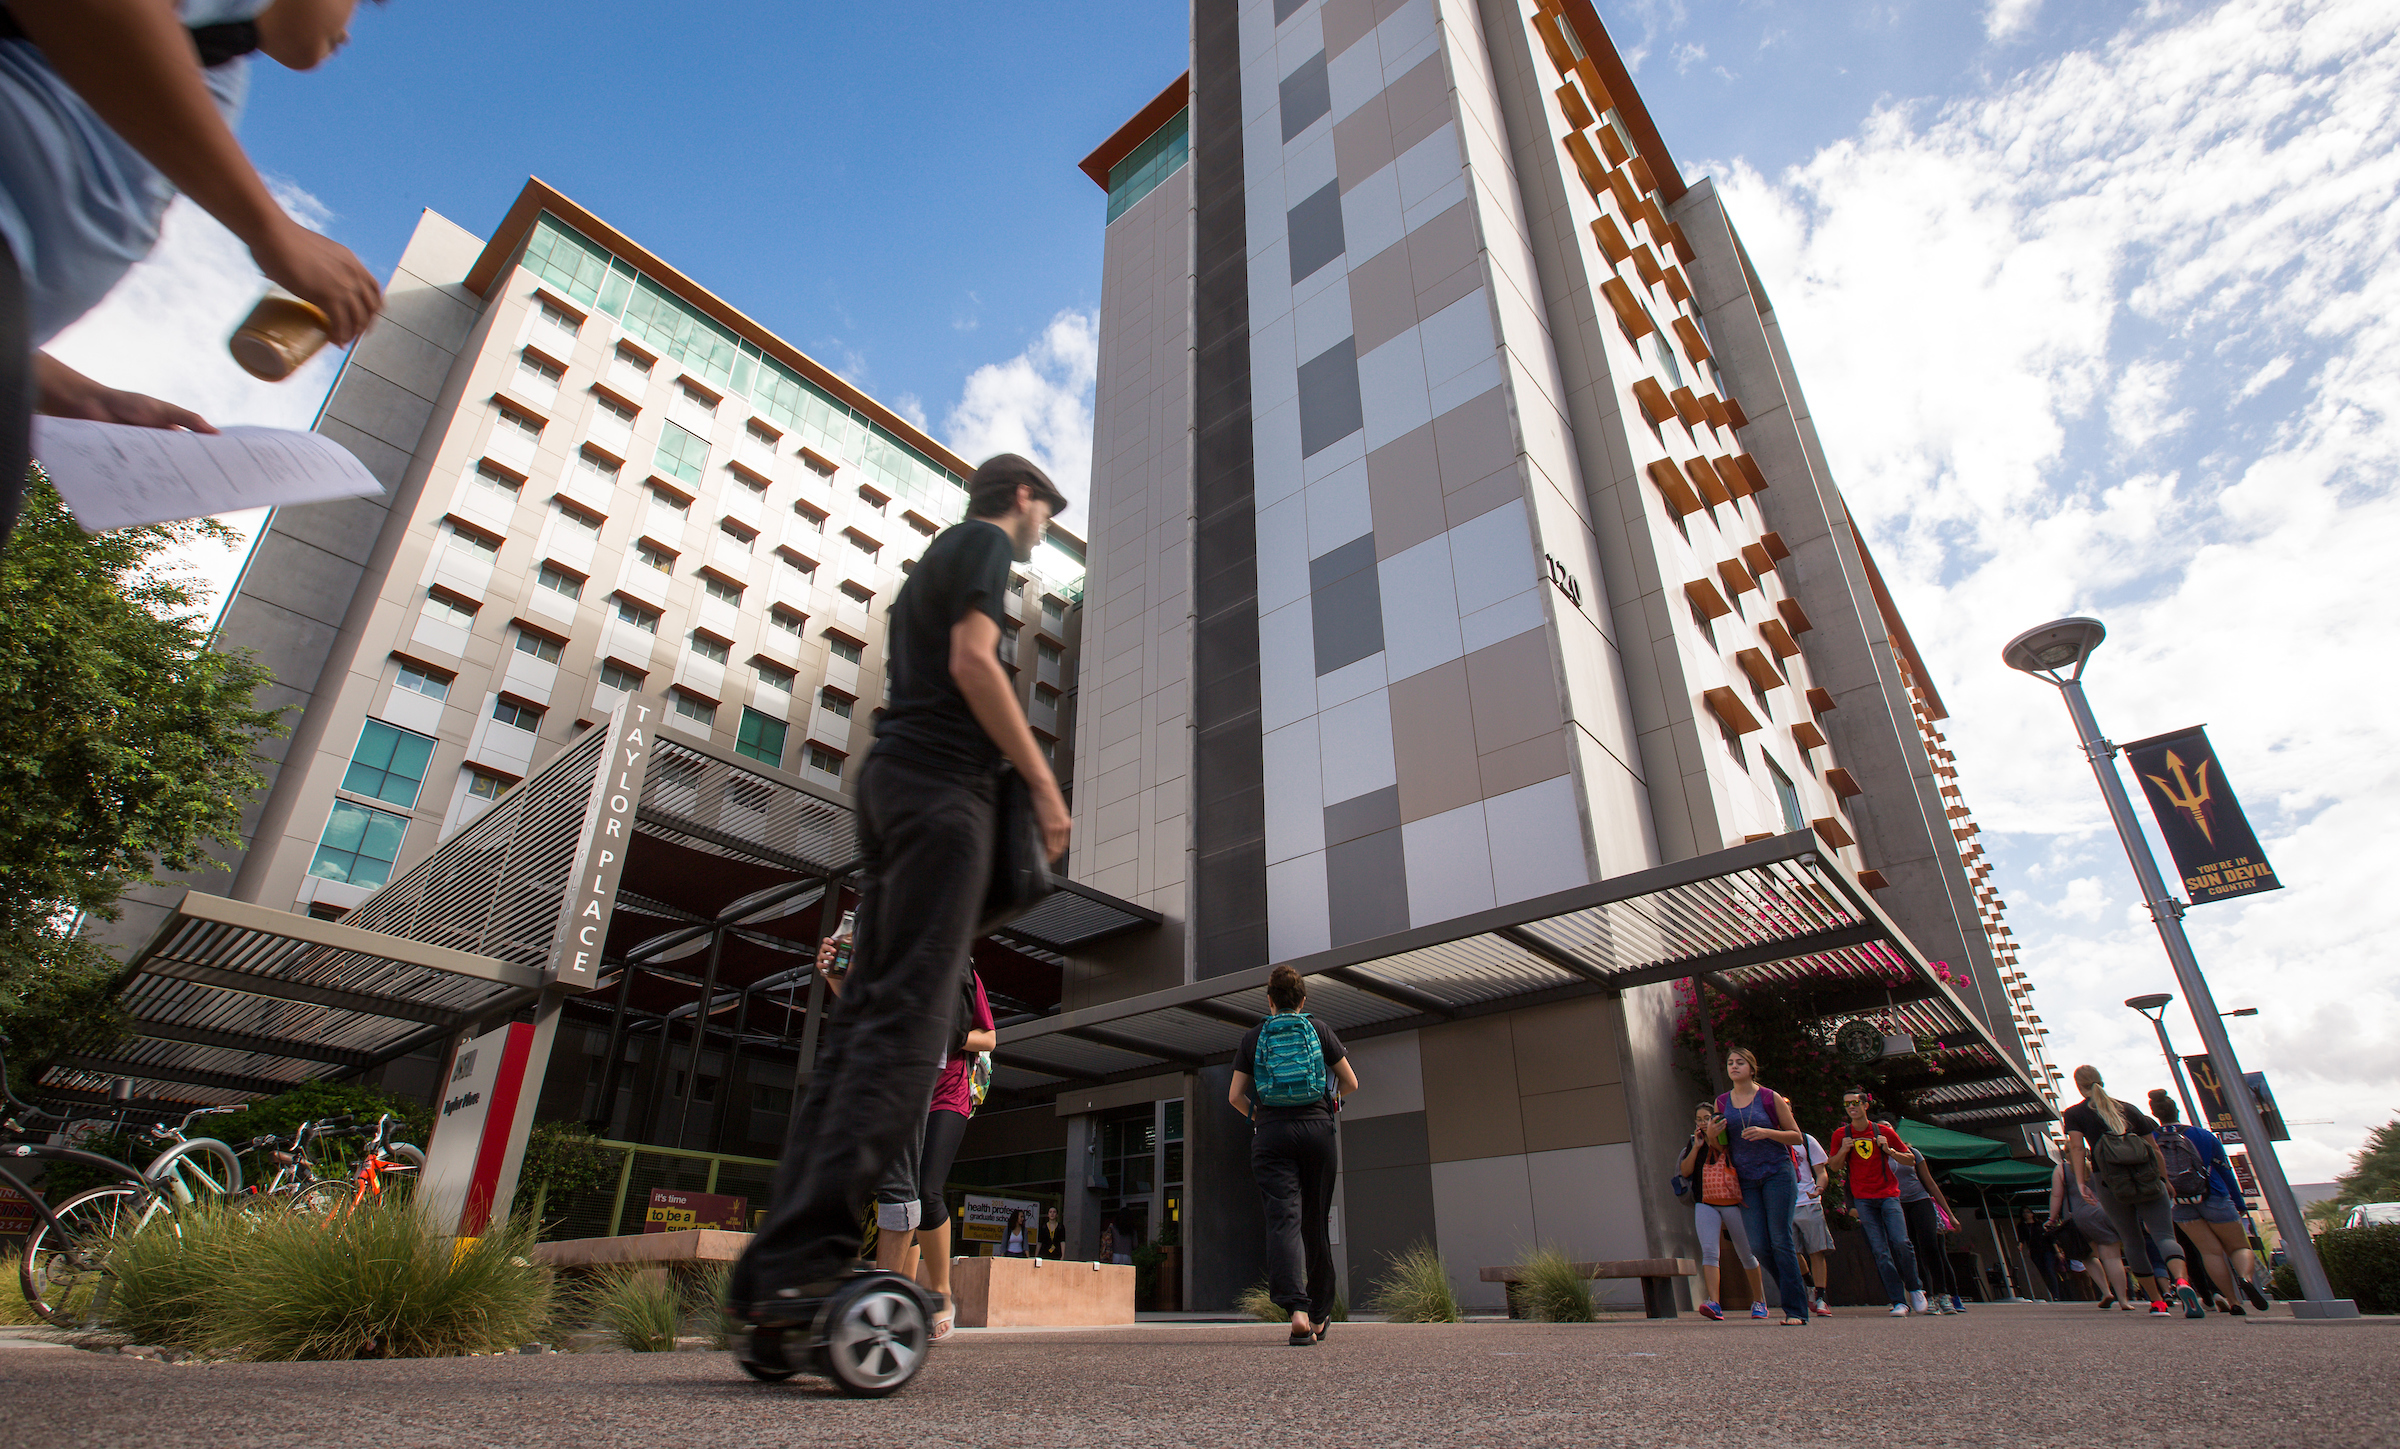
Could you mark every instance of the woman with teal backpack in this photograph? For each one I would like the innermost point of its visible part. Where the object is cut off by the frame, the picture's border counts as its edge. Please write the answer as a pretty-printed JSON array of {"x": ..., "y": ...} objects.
[{"x": 1289, "y": 1078}]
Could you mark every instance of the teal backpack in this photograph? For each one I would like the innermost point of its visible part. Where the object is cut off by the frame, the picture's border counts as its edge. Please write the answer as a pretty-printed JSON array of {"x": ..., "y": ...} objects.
[{"x": 1290, "y": 1062}]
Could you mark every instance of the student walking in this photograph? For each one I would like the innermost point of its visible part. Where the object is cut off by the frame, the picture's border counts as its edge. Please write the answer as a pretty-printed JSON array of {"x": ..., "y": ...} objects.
[
  {"x": 1289, "y": 1077},
  {"x": 2089, "y": 1240},
  {"x": 1717, "y": 1209},
  {"x": 1759, "y": 1132},
  {"x": 928, "y": 799},
  {"x": 1923, "y": 1208},
  {"x": 1863, "y": 1151},
  {"x": 2114, "y": 1151},
  {"x": 1812, "y": 1238},
  {"x": 2208, "y": 1203}
]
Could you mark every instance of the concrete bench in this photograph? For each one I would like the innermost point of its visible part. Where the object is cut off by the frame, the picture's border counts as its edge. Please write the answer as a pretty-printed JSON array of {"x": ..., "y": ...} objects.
[{"x": 1658, "y": 1277}]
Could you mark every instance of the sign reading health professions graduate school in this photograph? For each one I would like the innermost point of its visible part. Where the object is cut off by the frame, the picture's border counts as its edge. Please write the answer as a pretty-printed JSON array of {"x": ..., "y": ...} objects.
[{"x": 2214, "y": 849}]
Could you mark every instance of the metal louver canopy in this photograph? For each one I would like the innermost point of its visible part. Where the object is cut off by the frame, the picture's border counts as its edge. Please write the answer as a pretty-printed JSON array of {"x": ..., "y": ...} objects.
[{"x": 1772, "y": 915}]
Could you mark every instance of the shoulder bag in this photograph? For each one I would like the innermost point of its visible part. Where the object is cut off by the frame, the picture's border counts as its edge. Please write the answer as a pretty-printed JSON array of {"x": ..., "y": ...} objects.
[{"x": 1021, "y": 874}]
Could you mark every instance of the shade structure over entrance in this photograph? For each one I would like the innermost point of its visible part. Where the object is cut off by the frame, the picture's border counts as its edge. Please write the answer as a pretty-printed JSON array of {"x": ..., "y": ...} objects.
[
  {"x": 1772, "y": 915},
  {"x": 2009, "y": 1175},
  {"x": 1945, "y": 1146}
]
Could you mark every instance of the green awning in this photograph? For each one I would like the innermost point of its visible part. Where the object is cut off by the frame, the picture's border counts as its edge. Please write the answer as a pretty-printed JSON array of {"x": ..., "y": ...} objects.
[
  {"x": 2006, "y": 1176},
  {"x": 1943, "y": 1145}
]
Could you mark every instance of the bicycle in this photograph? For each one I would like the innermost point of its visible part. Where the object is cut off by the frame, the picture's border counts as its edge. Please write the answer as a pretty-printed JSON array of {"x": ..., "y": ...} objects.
[
  {"x": 384, "y": 1157},
  {"x": 63, "y": 1269}
]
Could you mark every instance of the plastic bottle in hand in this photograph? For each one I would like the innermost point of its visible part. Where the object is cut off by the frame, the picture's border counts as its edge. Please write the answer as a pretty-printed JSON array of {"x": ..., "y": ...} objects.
[{"x": 845, "y": 936}]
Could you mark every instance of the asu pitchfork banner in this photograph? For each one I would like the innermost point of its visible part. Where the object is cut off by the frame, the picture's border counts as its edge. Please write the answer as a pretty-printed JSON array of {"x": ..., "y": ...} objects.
[{"x": 2214, "y": 849}]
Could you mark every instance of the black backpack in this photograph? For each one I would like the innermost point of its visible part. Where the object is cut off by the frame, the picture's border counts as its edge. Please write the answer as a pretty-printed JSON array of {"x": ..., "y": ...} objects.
[{"x": 2187, "y": 1171}]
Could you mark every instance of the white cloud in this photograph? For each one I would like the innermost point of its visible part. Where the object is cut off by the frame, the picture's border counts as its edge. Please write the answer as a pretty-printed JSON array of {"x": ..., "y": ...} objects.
[
  {"x": 1688, "y": 54},
  {"x": 2005, "y": 19},
  {"x": 2038, "y": 326},
  {"x": 162, "y": 331},
  {"x": 1038, "y": 403}
]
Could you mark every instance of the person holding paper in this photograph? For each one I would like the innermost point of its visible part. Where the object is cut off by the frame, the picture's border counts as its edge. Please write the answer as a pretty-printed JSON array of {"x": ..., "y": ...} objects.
[{"x": 107, "y": 109}]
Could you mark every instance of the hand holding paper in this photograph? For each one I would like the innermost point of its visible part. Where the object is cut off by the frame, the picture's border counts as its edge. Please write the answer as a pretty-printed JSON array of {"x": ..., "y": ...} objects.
[{"x": 113, "y": 476}]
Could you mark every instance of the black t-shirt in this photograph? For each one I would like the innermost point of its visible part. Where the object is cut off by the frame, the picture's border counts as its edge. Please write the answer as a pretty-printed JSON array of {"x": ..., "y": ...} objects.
[
  {"x": 928, "y": 721},
  {"x": 2083, "y": 1117},
  {"x": 1245, "y": 1061}
]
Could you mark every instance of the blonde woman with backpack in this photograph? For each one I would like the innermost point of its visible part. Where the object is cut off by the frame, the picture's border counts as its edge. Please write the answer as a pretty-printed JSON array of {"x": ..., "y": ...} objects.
[
  {"x": 1289, "y": 1077},
  {"x": 2114, "y": 1151}
]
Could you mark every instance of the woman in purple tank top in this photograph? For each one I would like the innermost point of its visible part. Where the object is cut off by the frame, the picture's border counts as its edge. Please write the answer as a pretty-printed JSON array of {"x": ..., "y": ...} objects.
[{"x": 1761, "y": 1134}]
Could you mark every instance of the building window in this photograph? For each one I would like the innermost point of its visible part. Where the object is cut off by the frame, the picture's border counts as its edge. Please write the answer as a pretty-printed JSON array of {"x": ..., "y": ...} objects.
[
  {"x": 720, "y": 590},
  {"x": 359, "y": 845},
  {"x": 821, "y": 758},
  {"x": 779, "y": 680},
  {"x": 524, "y": 427},
  {"x": 1733, "y": 742},
  {"x": 1049, "y": 653},
  {"x": 1787, "y": 797},
  {"x": 761, "y": 738},
  {"x": 443, "y": 608},
  {"x": 558, "y": 321},
  {"x": 788, "y": 625},
  {"x": 517, "y": 716},
  {"x": 682, "y": 453},
  {"x": 763, "y": 435},
  {"x": 578, "y": 522},
  {"x": 862, "y": 545},
  {"x": 558, "y": 581},
  {"x": 701, "y": 404},
  {"x": 816, "y": 465},
  {"x": 707, "y": 648},
  {"x": 835, "y": 704},
  {"x": 417, "y": 681},
  {"x": 844, "y": 650},
  {"x": 389, "y": 764},
  {"x": 496, "y": 485},
  {"x": 468, "y": 541},
  {"x": 694, "y": 708},
  {"x": 1708, "y": 630},
  {"x": 873, "y": 499},
  {"x": 540, "y": 646},
  {"x": 858, "y": 593},
  {"x": 596, "y": 470},
  {"x": 616, "y": 676},
  {"x": 811, "y": 519},
  {"x": 632, "y": 613},
  {"x": 654, "y": 557},
  {"x": 537, "y": 379},
  {"x": 674, "y": 510},
  {"x": 1054, "y": 617},
  {"x": 484, "y": 785}
]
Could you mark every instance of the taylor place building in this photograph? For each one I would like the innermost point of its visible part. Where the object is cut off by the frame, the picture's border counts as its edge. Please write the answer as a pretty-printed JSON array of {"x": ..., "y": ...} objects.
[{"x": 1469, "y": 620}]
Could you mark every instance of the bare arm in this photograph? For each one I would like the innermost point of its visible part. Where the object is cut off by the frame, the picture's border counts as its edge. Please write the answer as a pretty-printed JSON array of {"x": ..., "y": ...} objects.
[
  {"x": 1345, "y": 1076},
  {"x": 62, "y": 392},
  {"x": 133, "y": 64},
  {"x": 1789, "y": 1134},
  {"x": 976, "y": 669},
  {"x": 1691, "y": 1157},
  {"x": 1239, "y": 1093},
  {"x": 2083, "y": 1171},
  {"x": 982, "y": 1041}
]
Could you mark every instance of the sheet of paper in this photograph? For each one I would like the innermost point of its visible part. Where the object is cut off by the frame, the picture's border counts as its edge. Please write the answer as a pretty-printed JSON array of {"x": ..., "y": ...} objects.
[{"x": 113, "y": 476}]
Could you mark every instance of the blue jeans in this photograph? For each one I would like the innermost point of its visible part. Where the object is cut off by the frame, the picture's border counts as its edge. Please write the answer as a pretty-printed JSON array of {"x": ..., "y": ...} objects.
[
  {"x": 1767, "y": 1213},
  {"x": 1887, "y": 1236}
]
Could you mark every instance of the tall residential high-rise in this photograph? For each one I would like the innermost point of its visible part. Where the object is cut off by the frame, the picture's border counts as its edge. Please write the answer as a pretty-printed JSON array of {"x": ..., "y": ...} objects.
[
  {"x": 1462, "y": 544},
  {"x": 601, "y": 480}
]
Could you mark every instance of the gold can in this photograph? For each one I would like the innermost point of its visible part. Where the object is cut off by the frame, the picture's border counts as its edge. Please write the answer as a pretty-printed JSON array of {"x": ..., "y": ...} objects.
[{"x": 279, "y": 336}]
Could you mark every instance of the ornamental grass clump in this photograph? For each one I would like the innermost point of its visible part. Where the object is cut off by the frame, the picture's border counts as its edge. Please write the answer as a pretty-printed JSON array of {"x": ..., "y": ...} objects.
[
  {"x": 380, "y": 1281},
  {"x": 1550, "y": 1290},
  {"x": 171, "y": 1273},
  {"x": 1417, "y": 1290},
  {"x": 642, "y": 1308},
  {"x": 1255, "y": 1301}
]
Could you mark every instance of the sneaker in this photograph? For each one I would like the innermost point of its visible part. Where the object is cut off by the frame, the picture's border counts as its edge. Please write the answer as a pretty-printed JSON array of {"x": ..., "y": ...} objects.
[
  {"x": 1758, "y": 1310},
  {"x": 2192, "y": 1307},
  {"x": 1824, "y": 1309},
  {"x": 1941, "y": 1306},
  {"x": 2159, "y": 1309},
  {"x": 1899, "y": 1310},
  {"x": 1957, "y": 1305},
  {"x": 1916, "y": 1300},
  {"x": 1711, "y": 1310}
]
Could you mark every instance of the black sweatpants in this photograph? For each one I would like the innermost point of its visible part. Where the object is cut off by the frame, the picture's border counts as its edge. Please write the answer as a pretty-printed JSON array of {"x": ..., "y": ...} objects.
[
  {"x": 926, "y": 836},
  {"x": 1295, "y": 1164},
  {"x": 16, "y": 392},
  {"x": 1925, "y": 1233}
]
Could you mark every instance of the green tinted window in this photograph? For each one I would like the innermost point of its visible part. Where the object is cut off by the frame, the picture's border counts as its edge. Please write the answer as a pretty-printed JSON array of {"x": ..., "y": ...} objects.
[
  {"x": 389, "y": 764},
  {"x": 682, "y": 453},
  {"x": 761, "y": 737},
  {"x": 1150, "y": 163},
  {"x": 359, "y": 845}
]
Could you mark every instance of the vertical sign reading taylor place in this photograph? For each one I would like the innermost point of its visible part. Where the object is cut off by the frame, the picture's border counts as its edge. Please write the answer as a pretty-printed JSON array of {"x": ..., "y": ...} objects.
[
  {"x": 2215, "y": 850},
  {"x": 600, "y": 859}
]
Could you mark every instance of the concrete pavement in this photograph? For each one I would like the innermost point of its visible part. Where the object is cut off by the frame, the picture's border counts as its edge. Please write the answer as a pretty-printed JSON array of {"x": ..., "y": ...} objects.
[{"x": 2030, "y": 1375}]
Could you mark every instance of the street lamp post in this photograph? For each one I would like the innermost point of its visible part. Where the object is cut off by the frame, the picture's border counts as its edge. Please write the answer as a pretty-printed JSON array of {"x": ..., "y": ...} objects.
[
  {"x": 2056, "y": 652},
  {"x": 2155, "y": 1008}
]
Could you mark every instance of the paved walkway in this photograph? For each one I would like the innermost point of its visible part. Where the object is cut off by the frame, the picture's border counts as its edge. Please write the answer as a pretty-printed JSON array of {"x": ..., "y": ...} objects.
[{"x": 2039, "y": 1375}]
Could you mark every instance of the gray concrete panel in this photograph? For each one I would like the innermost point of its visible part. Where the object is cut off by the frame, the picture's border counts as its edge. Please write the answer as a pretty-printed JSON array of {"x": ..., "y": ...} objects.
[
  {"x": 1347, "y": 616},
  {"x": 1385, "y": 1212},
  {"x": 1366, "y": 887},
  {"x": 1304, "y": 95},
  {"x": 1363, "y": 815},
  {"x": 1329, "y": 402},
  {"x": 1315, "y": 230}
]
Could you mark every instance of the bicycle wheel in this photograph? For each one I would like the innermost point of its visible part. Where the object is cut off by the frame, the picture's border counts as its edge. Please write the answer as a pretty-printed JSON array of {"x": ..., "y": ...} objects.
[
  {"x": 64, "y": 1269},
  {"x": 196, "y": 1171},
  {"x": 325, "y": 1199}
]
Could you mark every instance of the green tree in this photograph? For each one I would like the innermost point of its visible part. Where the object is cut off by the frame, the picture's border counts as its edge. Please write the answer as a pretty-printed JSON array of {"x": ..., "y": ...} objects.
[
  {"x": 2374, "y": 1176},
  {"x": 127, "y": 748}
]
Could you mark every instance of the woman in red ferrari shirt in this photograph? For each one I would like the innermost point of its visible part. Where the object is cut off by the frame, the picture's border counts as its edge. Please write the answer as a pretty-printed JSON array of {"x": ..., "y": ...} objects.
[{"x": 1862, "y": 1152}]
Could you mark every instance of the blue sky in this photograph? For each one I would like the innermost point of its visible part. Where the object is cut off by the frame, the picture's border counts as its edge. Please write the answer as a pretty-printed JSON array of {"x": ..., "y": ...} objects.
[{"x": 2096, "y": 305}]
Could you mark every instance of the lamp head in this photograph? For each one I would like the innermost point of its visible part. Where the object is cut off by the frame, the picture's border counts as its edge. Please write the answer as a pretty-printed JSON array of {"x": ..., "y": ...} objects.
[
  {"x": 2149, "y": 1006},
  {"x": 2060, "y": 645}
]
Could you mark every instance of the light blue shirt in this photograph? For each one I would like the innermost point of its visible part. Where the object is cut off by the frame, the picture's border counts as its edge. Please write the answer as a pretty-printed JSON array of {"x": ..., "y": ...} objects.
[{"x": 78, "y": 206}]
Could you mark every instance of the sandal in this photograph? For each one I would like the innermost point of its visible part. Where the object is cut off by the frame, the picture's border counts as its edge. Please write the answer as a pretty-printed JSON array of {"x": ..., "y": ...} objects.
[{"x": 945, "y": 1317}]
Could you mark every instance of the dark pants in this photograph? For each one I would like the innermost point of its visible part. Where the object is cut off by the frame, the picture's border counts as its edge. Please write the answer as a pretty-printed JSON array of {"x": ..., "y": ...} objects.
[
  {"x": 1933, "y": 1260},
  {"x": 1767, "y": 1204},
  {"x": 926, "y": 837},
  {"x": 1295, "y": 1163},
  {"x": 16, "y": 392}
]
